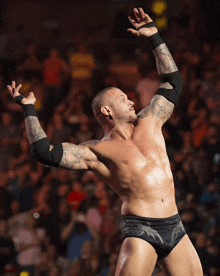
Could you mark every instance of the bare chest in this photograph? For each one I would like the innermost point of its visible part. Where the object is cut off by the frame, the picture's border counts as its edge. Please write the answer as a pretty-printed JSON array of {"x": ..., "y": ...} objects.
[
  {"x": 137, "y": 171},
  {"x": 128, "y": 162},
  {"x": 123, "y": 154}
]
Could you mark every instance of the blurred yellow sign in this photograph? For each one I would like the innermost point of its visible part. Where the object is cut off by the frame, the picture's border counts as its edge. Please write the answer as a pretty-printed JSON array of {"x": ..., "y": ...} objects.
[
  {"x": 159, "y": 7},
  {"x": 24, "y": 273},
  {"x": 161, "y": 22}
]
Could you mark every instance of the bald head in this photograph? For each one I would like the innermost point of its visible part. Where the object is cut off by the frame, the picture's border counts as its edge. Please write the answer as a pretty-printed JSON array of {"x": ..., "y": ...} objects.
[
  {"x": 100, "y": 100},
  {"x": 111, "y": 106}
]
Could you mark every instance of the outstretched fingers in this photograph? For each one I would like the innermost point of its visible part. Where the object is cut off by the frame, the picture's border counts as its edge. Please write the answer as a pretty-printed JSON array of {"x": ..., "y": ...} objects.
[
  {"x": 13, "y": 90},
  {"x": 137, "y": 15},
  {"x": 145, "y": 17},
  {"x": 139, "y": 19},
  {"x": 133, "y": 21}
]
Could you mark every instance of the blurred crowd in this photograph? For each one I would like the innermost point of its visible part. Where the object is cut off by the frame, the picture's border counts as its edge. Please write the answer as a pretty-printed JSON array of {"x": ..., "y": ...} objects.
[{"x": 59, "y": 222}]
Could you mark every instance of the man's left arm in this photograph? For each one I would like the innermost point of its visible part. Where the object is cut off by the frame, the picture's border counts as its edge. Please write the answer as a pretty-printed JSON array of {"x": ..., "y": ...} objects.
[
  {"x": 162, "y": 104},
  {"x": 167, "y": 95}
]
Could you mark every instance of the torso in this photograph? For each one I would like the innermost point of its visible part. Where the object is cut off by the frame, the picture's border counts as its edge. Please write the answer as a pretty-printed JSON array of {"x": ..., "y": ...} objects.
[{"x": 138, "y": 170}]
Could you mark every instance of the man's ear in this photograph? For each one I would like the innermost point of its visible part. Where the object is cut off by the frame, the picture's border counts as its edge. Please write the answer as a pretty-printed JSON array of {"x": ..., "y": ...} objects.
[{"x": 105, "y": 110}]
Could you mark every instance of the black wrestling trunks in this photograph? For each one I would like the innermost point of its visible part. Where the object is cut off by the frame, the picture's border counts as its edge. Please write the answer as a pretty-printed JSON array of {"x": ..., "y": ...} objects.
[{"x": 163, "y": 233}]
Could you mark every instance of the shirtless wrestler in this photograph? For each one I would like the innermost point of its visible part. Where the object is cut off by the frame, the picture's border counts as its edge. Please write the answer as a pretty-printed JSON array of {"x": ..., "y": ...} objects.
[{"x": 132, "y": 159}]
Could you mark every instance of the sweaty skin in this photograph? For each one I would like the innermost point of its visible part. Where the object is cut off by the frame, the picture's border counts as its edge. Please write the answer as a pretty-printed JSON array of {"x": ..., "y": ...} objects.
[
  {"x": 140, "y": 174},
  {"x": 135, "y": 164},
  {"x": 132, "y": 159}
]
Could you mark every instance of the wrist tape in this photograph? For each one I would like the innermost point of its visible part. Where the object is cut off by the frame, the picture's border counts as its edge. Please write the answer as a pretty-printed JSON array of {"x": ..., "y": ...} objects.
[
  {"x": 29, "y": 109},
  {"x": 155, "y": 40}
]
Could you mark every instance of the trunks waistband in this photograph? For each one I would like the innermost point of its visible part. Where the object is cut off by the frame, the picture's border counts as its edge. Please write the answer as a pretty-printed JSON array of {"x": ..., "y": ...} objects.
[{"x": 157, "y": 221}]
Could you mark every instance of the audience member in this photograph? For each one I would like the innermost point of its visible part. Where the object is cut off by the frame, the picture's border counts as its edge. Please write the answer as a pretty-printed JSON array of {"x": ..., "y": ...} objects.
[
  {"x": 31, "y": 65},
  {"x": 82, "y": 64},
  {"x": 76, "y": 233},
  {"x": 147, "y": 87},
  {"x": 57, "y": 130},
  {"x": 76, "y": 195},
  {"x": 55, "y": 70},
  {"x": 28, "y": 245},
  {"x": 7, "y": 250}
]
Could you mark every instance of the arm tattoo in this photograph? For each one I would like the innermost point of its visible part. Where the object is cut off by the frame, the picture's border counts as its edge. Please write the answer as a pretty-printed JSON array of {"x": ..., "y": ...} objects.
[
  {"x": 34, "y": 129},
  {"x": 164, "y": 60},
  {"x": 159, "y": 107},
  {"x": 91, "y": 142},
  {"x": 74, "y": 156}
]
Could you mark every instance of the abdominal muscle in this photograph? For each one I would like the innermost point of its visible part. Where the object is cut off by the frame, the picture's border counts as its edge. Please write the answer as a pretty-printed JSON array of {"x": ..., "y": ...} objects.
[
  {"x": 149, "y": 193},
  {"x": 141, "y": 176},
  {"x": 162, "y": 207}
]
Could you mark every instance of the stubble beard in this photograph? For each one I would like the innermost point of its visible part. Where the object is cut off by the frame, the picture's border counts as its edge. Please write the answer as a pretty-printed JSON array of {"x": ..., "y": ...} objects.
[{"x": 133, "y": 119}]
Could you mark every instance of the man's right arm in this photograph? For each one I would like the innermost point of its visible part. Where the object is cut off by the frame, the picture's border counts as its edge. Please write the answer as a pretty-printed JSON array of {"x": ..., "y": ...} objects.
[
  {"x": 66, "y": 155},
  {"x": 78, "y": 157}
]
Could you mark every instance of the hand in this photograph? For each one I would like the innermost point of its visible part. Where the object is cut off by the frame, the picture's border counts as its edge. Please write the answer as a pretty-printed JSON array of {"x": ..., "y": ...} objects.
[
  {"x": 14, "y": 91},
  {"x": 139, "y": 20}
]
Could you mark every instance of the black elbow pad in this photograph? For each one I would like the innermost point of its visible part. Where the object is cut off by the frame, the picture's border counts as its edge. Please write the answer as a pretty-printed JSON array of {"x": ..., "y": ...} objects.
[
  {"x": 41, "y": 151},
  {"x": 176, "y": 80}
]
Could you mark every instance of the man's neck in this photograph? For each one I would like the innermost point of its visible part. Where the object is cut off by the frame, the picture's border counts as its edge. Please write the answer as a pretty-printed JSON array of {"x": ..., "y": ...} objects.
[{"x": 119, "y": 132}]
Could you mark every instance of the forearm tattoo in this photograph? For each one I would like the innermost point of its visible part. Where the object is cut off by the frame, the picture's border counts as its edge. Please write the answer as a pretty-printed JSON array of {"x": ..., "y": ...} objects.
[
  {"x": 74, "y": 156},
  {"x": 164, "y": 60},
  {"x": 34, "y": 129},
  {"x": 159, "y": 107}
]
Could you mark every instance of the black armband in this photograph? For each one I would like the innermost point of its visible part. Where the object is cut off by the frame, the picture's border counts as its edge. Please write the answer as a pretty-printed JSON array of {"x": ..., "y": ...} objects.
[
  {"x": 176, "y": 80},
  {"x": 155, "y": 40},
  {"x": 29, "y": 109},
  {"x": 41, "y": 151}
]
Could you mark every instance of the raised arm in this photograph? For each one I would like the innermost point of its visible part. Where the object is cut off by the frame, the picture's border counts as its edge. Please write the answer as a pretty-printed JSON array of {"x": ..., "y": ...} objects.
[
  {"x": 162, "y": 104},
  {"x": 66, "y": 155}
]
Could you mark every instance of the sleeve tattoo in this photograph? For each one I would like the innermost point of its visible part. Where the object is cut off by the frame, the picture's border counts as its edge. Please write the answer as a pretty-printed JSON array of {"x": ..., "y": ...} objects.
[
  {"x": 159, "y": 107},
  {"x": 77, "y": 157},
  {"x": 74, "y": 156},
  {"x": 34, "y": 129},
  {"x": 164, "y": 60}
]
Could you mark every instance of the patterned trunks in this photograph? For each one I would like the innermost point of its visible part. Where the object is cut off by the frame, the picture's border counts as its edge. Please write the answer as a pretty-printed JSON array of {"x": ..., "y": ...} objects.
[{"x": 163, "y": 233}]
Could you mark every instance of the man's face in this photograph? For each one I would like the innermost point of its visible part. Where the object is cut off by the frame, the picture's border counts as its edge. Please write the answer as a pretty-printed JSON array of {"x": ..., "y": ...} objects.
[{"x": 121, "y": 107}]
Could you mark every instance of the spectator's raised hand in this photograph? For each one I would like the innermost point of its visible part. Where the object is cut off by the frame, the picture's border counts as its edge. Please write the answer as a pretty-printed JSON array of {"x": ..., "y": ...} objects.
[
  {"x": 14, "y": 91},
  {"x": 139, "y": 19}
]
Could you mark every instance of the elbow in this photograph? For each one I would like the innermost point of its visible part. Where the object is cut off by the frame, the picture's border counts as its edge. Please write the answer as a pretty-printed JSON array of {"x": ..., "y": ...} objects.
[
  {"x": 41, "y": 152},
  {"x": 175, "y": 79}
]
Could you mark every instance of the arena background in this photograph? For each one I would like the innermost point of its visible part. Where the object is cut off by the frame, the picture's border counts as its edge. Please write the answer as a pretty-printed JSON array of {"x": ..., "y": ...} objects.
[{"x": 59, "y": 222}]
